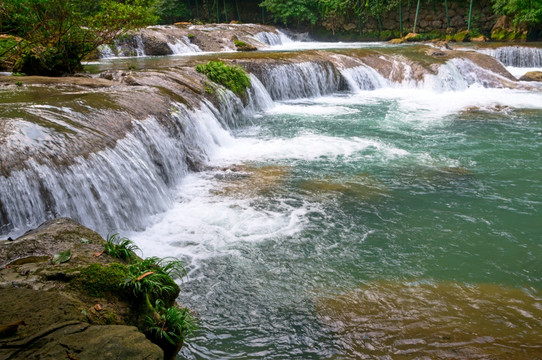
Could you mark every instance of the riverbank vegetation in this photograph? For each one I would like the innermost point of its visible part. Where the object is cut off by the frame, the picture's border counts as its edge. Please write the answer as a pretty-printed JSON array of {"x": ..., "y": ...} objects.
[{"x": 52, "y": 37}]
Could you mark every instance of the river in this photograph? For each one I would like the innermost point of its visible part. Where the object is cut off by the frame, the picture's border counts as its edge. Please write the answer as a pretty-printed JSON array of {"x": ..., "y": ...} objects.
[{"x": 340, "y": 214}]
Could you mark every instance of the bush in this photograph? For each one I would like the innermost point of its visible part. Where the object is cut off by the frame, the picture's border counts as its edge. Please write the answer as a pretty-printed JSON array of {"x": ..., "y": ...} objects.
[
  {"x": 174, "y": 324},
  {"x": 232, "y": 77},
  {"x": 152, "y": 277},
  {"x": 120, "y": 247}
]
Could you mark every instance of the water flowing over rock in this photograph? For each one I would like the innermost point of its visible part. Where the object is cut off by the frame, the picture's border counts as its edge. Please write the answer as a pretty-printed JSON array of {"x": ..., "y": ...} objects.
[
  {"x": 181, "y": 40},
  {"x": 108, "y": 154},
  {"x": 520, "y": 56}
]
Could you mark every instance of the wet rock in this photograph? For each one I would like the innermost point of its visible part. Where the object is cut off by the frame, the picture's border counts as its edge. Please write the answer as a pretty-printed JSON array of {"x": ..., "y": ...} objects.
[
  {"x": 532, "y": 76},
  {"x": 155, "y": 44},
  {"x": 435, "y": 52},
  {"x": 84, "y": 341},
  {"x": 76, "y": 309}
]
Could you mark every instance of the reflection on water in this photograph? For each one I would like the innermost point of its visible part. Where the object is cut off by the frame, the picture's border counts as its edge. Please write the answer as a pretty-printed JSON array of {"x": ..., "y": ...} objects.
[{"x": 443, "y": 320}]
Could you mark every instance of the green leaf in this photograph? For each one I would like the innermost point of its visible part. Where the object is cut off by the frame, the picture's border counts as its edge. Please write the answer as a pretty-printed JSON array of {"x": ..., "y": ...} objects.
[{"x": 62, "y": 257}]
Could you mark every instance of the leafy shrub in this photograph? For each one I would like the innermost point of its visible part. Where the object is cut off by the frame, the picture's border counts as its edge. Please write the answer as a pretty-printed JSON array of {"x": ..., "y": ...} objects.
[
  {"x": 174, "y": 324},
  {"x": 232, "y": 77},
  {"x": 120, "y": 247},
  {"x": 152, "y": 277}
]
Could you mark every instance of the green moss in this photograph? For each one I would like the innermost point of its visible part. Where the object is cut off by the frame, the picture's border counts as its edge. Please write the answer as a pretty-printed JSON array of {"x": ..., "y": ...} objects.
[
  {"x": 232, "y": 77},
  {"x": 98, "y": 280},
  {"x": 461, "y": 36},
  {"x": 239, "y": 43}
]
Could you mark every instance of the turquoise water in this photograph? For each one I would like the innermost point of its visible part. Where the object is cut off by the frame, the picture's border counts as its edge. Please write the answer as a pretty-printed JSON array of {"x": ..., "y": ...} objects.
[{"x": 345, "y": 226}]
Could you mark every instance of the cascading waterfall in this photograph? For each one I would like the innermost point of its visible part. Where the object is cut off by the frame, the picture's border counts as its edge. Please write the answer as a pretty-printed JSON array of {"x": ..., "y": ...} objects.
[
  {"x": 183, "y": 46},
  {"x": 127, "y": 46},
  {"x": 363, "y": 77},
  {"x": 299, "y": 80},
  {"x": 518, "y": 56},
  {"x": 118, "y": 188},
  {"x": 272, "y": 39}
]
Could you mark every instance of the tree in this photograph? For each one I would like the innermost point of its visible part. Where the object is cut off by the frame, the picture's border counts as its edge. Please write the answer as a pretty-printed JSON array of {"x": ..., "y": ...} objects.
[
  {"x": 58, "y": 34},
  {"x": 286, "y": 11},
  {"x": 523, "y": 11}
]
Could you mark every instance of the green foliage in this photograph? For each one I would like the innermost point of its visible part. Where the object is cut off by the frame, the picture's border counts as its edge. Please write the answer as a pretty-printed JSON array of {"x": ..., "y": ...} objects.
[
  {"x": 239, "y": 43},
  {"x": 232, "y": 77},
  {"x": 171, "y": 11},
  {"x": 19, "y": 83},
  {"x": 58, "y": 34},
  {"x": 98, "y": 280},
  {"x": 120, "y": 247},
  {"x": 174, "y": 324},
  {"x": 288, "y": 11},
  {"x": 523, "y": 11},
  {"x": 153, "y": 277}
]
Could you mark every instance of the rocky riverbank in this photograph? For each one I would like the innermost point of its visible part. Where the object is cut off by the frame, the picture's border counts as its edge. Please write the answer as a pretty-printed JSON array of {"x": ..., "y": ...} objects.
[{"x": 70, "y": 306}]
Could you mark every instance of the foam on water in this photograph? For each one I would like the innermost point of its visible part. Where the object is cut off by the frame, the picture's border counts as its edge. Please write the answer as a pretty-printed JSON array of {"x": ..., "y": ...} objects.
[
  {"x": 308, "y": 147},
  {"x": 202, "y": 225}
]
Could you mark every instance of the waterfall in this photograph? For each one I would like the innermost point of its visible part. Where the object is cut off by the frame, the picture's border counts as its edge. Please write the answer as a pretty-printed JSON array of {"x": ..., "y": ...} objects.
[
  {"x": 183, "y": 46},
  {"x": 125, "y": 46},
  {"x": 299, "y": 80},
  {"x": 518, "y": 56},
  {"x": 363, "y": 77},
  {"x": 271, "y": 38},
  {"x": 117, "y": 188}
]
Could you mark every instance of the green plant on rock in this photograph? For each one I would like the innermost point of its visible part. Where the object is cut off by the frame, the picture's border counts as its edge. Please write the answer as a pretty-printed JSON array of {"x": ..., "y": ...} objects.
[
  {"x": 152, "y": 277},
  {"x": 120, "y": 247},
  {"x": 173, "y": 324},
  {"x": 230, "y": 76}
]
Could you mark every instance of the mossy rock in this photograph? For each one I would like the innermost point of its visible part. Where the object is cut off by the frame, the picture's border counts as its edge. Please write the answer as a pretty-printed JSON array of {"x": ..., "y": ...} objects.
[
  {"x": 462, "y": 36},
  {"x": 98, "y": 280},
  {"x": 500, "y": 34}
]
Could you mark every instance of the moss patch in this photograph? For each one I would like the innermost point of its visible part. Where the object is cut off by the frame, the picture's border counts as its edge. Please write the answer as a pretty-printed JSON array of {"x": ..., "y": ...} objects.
[
  {"x": 232, "y": 77},
  {"x": 98, "y": 280}
]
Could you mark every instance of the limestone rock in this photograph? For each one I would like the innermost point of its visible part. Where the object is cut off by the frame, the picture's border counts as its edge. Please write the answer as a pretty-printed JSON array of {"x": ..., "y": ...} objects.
[
  {"x": 411, "y": 37},
  {"x": 155, "y": 44},
  {"x": 532, "y": 76},
  {"x": 480, "y": 38}
]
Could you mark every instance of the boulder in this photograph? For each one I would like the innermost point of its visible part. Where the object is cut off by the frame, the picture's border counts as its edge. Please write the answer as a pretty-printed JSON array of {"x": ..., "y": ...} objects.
[
  {"x": 532, "y": 76},
  {"x": 75, "y": 308},
  {"x": 480, "y": 38},
  {"x": 412, "y": 37},
  {"x": 155, "y": 44}
]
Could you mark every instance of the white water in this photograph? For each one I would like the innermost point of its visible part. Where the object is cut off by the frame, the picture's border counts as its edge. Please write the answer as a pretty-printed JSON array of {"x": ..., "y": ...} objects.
[
  {"x": 114, "y": 189},
  {"x": 205, "y": 222},
  {"x": 272, "y": 38},
  {"x": 517, "y": 56},
  {"x": 141, "y": 170},
  {"x": 300, "y": 80},
  {"x": 183, "y": 46}
]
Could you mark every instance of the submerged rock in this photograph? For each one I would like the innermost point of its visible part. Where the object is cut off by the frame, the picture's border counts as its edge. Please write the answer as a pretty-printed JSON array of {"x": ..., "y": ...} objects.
[{"x": 532, "y": 76}]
